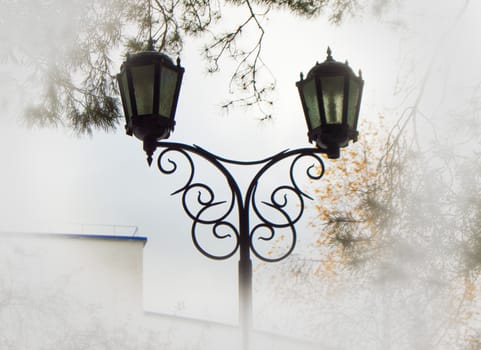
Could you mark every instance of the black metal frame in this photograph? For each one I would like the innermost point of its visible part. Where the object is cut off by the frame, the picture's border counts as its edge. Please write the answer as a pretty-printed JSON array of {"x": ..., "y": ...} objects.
[
  {"x": 245, "y": 237},
  {"x": 331, "y": 137},
  {"x": 153, "y": 125}
]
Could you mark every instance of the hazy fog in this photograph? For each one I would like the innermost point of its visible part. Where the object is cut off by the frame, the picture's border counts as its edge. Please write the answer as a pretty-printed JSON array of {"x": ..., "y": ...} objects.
[{"x": 420, "y": 62}]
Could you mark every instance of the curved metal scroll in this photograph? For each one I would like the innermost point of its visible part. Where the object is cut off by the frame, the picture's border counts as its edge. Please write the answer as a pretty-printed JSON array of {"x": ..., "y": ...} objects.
[
  {"x": 199, "y": 199},
  {"x": 279, "y": 201}
]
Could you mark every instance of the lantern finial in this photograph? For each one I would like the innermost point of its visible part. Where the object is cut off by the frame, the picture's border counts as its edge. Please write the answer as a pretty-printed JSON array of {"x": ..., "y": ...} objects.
[
  {"x": 329, "y": 56},
  {"x": 149, "y": 148},
  {"x": 150, "y": 44}
]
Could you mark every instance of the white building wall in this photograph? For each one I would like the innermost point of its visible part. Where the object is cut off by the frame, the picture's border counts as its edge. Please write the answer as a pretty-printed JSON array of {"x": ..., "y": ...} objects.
[
  {"x": 85, "y": 292},
  {"x": 70, "y": 291}
]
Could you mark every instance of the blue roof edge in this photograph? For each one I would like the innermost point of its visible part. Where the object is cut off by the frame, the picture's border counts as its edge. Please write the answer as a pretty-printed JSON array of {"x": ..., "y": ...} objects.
[{"x": 76, "y": 235}]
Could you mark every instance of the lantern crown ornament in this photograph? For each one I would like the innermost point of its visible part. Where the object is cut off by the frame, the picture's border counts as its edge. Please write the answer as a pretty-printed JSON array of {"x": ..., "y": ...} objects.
[
  {"x": 331, "y": 98},
  {"x": 149, "y": 83}
]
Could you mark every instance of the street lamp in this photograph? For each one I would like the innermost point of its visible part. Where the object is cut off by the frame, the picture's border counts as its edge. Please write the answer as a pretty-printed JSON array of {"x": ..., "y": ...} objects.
[
  {"x": 330, "y": 96},
  {"x": 149, "y": 85}
]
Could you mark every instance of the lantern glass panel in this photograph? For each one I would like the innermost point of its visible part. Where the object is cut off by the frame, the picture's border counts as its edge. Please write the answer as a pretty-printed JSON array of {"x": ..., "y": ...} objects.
[
  {"x": 310, "y": 99},
  {"x": 353, "y": 102},
  {"x": 333, "y": 96},
  {"x": 143, "y": 81},
  {"x": 125, "y": 94},
  {"x": 168, "y": 85}
]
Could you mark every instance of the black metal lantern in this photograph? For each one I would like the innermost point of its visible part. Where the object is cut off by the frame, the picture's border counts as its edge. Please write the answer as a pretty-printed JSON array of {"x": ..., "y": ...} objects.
[
  {"x": 331, "y": 97},
  {"x": 149, "y": 86}
]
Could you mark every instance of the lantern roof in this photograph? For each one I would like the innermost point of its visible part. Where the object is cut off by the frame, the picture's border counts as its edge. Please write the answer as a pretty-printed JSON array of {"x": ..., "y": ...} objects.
[
  {"x": 330, "y": 66},
  {"x": 149, "y": 57}
]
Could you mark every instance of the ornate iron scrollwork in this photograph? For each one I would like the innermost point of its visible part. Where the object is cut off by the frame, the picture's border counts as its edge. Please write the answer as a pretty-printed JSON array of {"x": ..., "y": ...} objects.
[{"x": 206, "y": 210}]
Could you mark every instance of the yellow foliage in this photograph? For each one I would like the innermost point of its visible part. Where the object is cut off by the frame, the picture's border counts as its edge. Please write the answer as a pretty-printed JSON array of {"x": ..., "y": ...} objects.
[
  {"x": 344, "y": 211},
  {"x": 469, "y": 290}
]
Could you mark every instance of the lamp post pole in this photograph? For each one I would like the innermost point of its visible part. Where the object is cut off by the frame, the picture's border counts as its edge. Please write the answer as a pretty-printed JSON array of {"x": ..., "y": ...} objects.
[{"x": 245, "y": 279}]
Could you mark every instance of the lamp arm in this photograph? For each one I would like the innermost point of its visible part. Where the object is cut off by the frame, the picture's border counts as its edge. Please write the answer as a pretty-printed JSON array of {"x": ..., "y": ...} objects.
[{"x": 206, "y": 210}]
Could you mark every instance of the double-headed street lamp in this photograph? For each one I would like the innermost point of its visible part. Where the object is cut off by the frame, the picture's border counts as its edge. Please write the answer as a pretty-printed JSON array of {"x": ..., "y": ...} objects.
[{"x": 330, "y": 93}]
